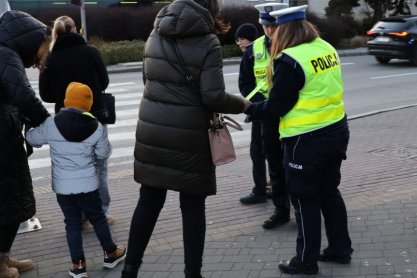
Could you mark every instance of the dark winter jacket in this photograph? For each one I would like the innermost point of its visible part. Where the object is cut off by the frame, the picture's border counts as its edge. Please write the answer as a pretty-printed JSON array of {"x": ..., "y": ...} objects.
[
  {"x": 172, "y": 148},
  {"x": 73, "y": 60},
  {"x": 20, "y": 38}
]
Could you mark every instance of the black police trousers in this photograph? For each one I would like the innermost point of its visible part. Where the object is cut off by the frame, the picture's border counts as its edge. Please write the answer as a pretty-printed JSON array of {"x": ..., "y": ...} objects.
[
  {"x": 265, "y": 143},
  {"x": 312, "y": 162}
]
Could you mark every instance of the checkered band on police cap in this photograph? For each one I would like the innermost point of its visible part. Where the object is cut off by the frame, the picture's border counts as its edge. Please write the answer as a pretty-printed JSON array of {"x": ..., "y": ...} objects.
[
  {"x": 265, "y": 9},
  {"x": 290, "y": 14}
]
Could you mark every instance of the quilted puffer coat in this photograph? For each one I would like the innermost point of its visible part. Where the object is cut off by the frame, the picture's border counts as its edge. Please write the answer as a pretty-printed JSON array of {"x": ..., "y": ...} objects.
[
  {"x": 172, "y": 149},
  {"x": 20, "y": 38},
  {"x": 77, "y": 141}
]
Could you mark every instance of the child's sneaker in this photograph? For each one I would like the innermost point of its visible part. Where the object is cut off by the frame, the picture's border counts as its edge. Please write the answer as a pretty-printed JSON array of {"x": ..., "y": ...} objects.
[
  {"x": 114, "y": 258},
  {"x": 78, "y": 270}
]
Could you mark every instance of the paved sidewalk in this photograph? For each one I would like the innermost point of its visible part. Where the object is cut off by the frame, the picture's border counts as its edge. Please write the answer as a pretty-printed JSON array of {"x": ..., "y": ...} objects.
[{"x": 379, "y": 184}]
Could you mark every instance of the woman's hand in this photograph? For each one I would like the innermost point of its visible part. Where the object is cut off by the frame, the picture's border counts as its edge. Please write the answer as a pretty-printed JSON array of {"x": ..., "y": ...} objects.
[{"x": 247, "y": 104}]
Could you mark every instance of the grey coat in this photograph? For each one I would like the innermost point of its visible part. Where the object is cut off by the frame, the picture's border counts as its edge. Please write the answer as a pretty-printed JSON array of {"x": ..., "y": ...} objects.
[
  {"x": 172, "y": 148},
  {"x": 75, "y": 147}
]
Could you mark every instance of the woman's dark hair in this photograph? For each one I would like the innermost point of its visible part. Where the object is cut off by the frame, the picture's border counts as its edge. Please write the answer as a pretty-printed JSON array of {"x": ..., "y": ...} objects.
[{"x": 214, "y": 9}]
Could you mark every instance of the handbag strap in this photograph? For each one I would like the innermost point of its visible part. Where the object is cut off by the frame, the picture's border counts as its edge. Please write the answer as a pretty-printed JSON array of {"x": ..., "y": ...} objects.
[
  {"x": 218, "y": 119},
  {"x": 188, "y": 75}
]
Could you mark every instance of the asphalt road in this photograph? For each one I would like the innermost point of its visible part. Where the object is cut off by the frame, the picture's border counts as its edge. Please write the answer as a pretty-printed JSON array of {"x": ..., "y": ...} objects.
[{"x": 369, "y": 88}]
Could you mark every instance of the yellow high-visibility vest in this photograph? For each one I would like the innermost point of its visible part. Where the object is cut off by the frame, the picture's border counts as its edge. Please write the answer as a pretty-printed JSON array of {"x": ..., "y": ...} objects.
[
  {"x": 320, "y": 101},
  {"x": 261, "y": 60}
]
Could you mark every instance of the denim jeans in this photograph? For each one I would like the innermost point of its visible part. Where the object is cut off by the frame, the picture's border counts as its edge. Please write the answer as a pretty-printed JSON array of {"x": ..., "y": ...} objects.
[
  {"x": 102, "y": 171},
  {"x": 149, "y": 206},
  {"x": 72, "y": 207},
  {"x": 103, "y": 186}
]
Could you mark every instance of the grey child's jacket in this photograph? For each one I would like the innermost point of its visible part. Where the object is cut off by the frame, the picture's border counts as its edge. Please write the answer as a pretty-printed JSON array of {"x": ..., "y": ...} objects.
[{"x": 76, "y": 142}]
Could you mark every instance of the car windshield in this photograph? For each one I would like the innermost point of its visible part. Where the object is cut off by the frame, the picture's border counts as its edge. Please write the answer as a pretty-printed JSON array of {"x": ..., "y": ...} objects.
[{"x": 399, "y": 25}]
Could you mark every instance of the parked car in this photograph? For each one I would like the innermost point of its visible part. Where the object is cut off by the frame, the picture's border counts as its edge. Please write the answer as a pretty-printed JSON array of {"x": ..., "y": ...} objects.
[{"x": 394, "y": 38}]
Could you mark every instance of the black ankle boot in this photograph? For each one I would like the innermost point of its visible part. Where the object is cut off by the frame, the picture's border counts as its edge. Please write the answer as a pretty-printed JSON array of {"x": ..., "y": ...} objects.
[{"x": 130, "y": 271}]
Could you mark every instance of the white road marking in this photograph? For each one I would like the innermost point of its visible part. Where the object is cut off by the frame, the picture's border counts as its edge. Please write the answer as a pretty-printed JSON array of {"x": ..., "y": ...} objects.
[{"x": 393, "y": 75}]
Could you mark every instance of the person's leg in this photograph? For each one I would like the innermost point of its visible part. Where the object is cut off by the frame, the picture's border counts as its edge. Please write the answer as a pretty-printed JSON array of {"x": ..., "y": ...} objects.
[
  {"x": 258, "y": 194},
  {"x": 90, "y": 204},
  {"x": 335, "y": 215},
  {"x": 302, "y": 156},
  {"x": 332, "y": 204},
  {"x": 258, "y": 159},
  {"x": 193, "y": 211},
  {"x": 102, "y": 169},
  {"x": 274, "y": 156},
  {"x": 151, "y": 201},
  {"x": 73, "y": 221},
  {"x": 7, "y": 236}
]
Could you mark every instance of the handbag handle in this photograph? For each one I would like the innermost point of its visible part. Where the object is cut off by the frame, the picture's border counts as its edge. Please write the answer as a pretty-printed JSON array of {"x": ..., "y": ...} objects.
[
  {"x": 219, "y": 120},
  {"x": 232, "y": 123}
]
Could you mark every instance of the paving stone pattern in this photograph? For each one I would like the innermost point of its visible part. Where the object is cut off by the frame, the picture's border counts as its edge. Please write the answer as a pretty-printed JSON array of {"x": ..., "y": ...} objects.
[{"x": 379, "y": 184}]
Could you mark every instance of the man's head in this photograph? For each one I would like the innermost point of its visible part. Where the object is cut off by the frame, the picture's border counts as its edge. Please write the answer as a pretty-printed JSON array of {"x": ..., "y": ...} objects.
[
  {"x": 267, "y": 21},
  {"x": 78, "y": 96}
]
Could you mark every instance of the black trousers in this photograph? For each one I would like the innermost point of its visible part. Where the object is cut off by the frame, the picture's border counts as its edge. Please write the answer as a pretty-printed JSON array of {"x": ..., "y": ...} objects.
[
  {"x": 257, "y": 155},
  {"x": 274, "y": 155},
  {"x": 313, "y": 163},
  {"x": 149, "y": 206},
  {"x": 7, "y": 236}
]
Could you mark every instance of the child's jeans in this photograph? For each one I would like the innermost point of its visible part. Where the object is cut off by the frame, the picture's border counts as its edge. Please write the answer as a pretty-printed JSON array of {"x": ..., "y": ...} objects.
[{"x": 90, "y": 204}]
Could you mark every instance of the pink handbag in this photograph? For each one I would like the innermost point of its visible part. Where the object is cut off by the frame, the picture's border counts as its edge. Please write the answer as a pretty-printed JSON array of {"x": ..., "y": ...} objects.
[{"x": 221, "y": 144}]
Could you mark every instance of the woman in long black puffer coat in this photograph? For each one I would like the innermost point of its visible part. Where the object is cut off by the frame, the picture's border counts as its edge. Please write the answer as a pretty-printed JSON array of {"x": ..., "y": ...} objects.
[
  {"x": 20, "y": 39},
  {"x": 172, "y": 149}
]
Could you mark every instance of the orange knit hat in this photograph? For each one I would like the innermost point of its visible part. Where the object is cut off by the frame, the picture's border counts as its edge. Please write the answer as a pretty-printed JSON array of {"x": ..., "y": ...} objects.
[{"x": 79, "y": 96}]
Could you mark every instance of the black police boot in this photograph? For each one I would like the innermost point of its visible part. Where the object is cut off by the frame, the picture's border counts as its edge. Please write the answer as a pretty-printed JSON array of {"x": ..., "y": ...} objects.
[
  {"x": 277, "y": 219},
  {"x": 253, "y": 198},
  {"x": 295, "y": 267},
  {"x": 329, "y": 256},
  {"x": 130, "y": 271}
]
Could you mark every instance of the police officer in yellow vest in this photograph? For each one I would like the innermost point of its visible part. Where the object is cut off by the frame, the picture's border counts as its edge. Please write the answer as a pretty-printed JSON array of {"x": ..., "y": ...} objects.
[
  {"x": 306, "y": 93},
  {"x": 264, "y": 137}
]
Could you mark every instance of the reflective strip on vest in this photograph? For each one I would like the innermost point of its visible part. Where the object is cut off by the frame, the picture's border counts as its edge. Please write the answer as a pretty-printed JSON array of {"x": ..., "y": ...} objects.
[
  {"x": 320, "y": 101},
  {"x": 260, "y": 66}
]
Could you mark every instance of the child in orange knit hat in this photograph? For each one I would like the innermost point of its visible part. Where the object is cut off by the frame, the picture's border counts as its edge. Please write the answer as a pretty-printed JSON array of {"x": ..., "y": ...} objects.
[{"x": 77, "y": 141}]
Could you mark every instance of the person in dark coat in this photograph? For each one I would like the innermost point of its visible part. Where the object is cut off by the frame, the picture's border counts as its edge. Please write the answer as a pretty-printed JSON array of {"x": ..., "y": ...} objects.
[
  {"x": 172, "y": 150},
  {"x": 245, "y": 34},
  {"x": 71, "y": 59},
  {"x": 21, "y": 36}
]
